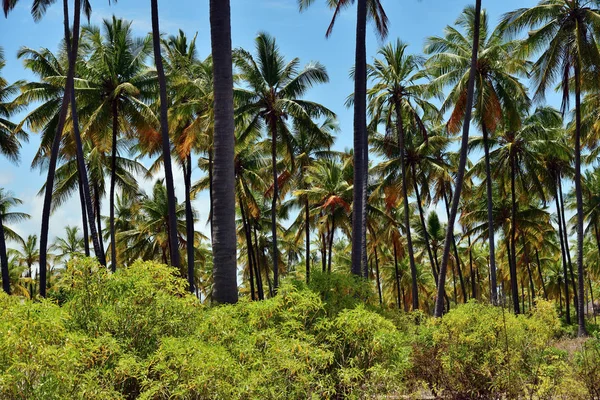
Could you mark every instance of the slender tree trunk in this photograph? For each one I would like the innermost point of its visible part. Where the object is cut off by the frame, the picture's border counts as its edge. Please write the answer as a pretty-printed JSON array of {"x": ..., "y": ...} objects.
[
  {"x": 332, "y": 233},
  {"x": 490, "y": 206},
  {"x": 113, "y": 181},
  {"x": 166, "y": 146},
  {"x": 473, "y": 284},
  {"x": 210, "y": 190},
  {"x": 98, "y": 216},
  {"x": 513, "y": 230},
  {"x": 189, "y": 221},
  {"x": 567, "y": 249},
  {"x": 73, "y": 52},
  {"x": 432, "y": 260},
  {"x": 564, "y": 250},
  {"x": 592, "y": 297},
  {"x": 64, "y": 108},
  {"x": 261, "y": 293},
  {"x": 223, "y": 202},
  {"x": 528, "y": 264},
  {"x": 359, "y": 191},
  {"x": 84, "y": 216},
  {"x": 439, "y": 304},
  {"x": 560, "y": 307},
  {"x": 398, "y": 288},
  {"x": 406, "y": 214},
  {"x": 377, "y": 276},
  {"x": 249, "y": 246},
  {"x": 273, "y": 129},
  {"x": 579, "y": 196},
  {"x": 4, "y": 259},
  {"x": 323, "y": 252},
  {"x": 307, "y": 239},
  {"x": 539, "y": 266}
]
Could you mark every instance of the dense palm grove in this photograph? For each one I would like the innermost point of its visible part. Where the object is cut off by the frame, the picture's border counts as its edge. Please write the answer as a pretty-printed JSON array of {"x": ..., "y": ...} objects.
[{"x": 507, "y": 214}]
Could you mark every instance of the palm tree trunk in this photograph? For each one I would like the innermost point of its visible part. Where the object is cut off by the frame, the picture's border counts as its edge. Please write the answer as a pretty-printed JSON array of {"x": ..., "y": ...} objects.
[
  {"x": 567, "y": 249},
  {"x": 223, "y": 185},
  {"x": 539, "y": 266},
  {"x": 513, "y": 230},
  {"x": 307, "y": 240},
  {"x": 273, "y": 129},
  {"x": 248, "y": 246},
  {"x": 528, "y": 264},
  {"x": 331, "y": 243},
  {"x": 397, "y": 275},
  {"x": 164, "y": 130},
  {"x": 359, "y": 191},
  {"x": 78, "y": 143},
  {"x": 439, "y": 304},
  {"x": 4, "y": 259},
  {"x": 113, "y": 181},
  {"x": 378, "y": 277},
  {"x": 579, "y": 196},
  {"x": 189, "y": 221},
  {"x": 432, "y": 260},
  {"x": 563, "y": 249},
  {"x": 323, "y": 253},
  {"x": 84, "y": 216},
  {"x": 258, "y": 273},
  {"x": 411, "y": 255},
  {"x": 473, "y": 283},
  {"x": 98, "y": 216},
  {"x": 490, "y": 205},
  {"x": 64, "y": 108},
  {"x": 210, "y": 191}
]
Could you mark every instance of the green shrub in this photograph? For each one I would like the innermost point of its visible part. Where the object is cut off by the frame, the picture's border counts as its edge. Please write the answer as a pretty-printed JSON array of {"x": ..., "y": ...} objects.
[
  {"x": 587, "y": 362},
  {"x": 478, "y": 351},
  {"x": 340, "y": 291}
]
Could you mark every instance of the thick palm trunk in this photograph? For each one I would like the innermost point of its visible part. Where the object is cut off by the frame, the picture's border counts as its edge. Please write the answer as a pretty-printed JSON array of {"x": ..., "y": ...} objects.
[
  {"x": 359, "y": 191},
  {"x": 539, "y": 268},
  {"x": 164, "y": 131},
  {"x": 223, "y": 201},
  {"x": 64, "y": 108},
  {"x": 4, "y": 259},
  {"x": 490, "y": 205},
  {"x": 273, "y": 128},
  {"x": 513, "y": 229},
  {"x": 307, "y": 239},
  {"x": 113, "y": 181},
  {"x": 78, "y": 143},
  {"x": 439, "y": 304},
  {"x": 411, "y": 255},
  {"x": 567, "y": 249},
  {"x": 210, "y": 190},
  {"x": 189, "y": 222},
  {"x": 563, "y": 249},
  {"x": 579, "y": 196},
  {"x": 84, "y": 216}
]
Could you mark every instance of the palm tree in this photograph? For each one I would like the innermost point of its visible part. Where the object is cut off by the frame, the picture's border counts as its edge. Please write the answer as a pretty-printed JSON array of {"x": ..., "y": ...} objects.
[
  {"x": 309, "y": 146},
  {"x": 223, "y": 195},
  {"x": 274, "y": 94},
  {"x": 498, "y": 93},
  {"x": 398, "y": 99},
  {"x": 439, "y": 304},
  {"x": 365, "y": 9},
  {"x": 118, "y": 81},
  {"x": 10, "y": 136},
  {"x": 565, "y": 37},
  {"x": 164, "y": 131},
  {"x": 29, "y": 255},
  {"x": 69, "y": 246},
  {"x": 7, "y": 201},
  {"x": 191, "y": 118}
]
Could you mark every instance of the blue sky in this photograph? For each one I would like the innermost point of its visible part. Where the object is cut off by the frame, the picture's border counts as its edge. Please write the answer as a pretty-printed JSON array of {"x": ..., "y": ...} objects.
[{"x": 298, "y": 35}]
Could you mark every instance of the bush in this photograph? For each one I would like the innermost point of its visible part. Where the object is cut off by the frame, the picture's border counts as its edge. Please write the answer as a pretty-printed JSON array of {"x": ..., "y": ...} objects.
[
  {"x": 587, "y": 363},
  {"x": 479, "y": 352}
]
